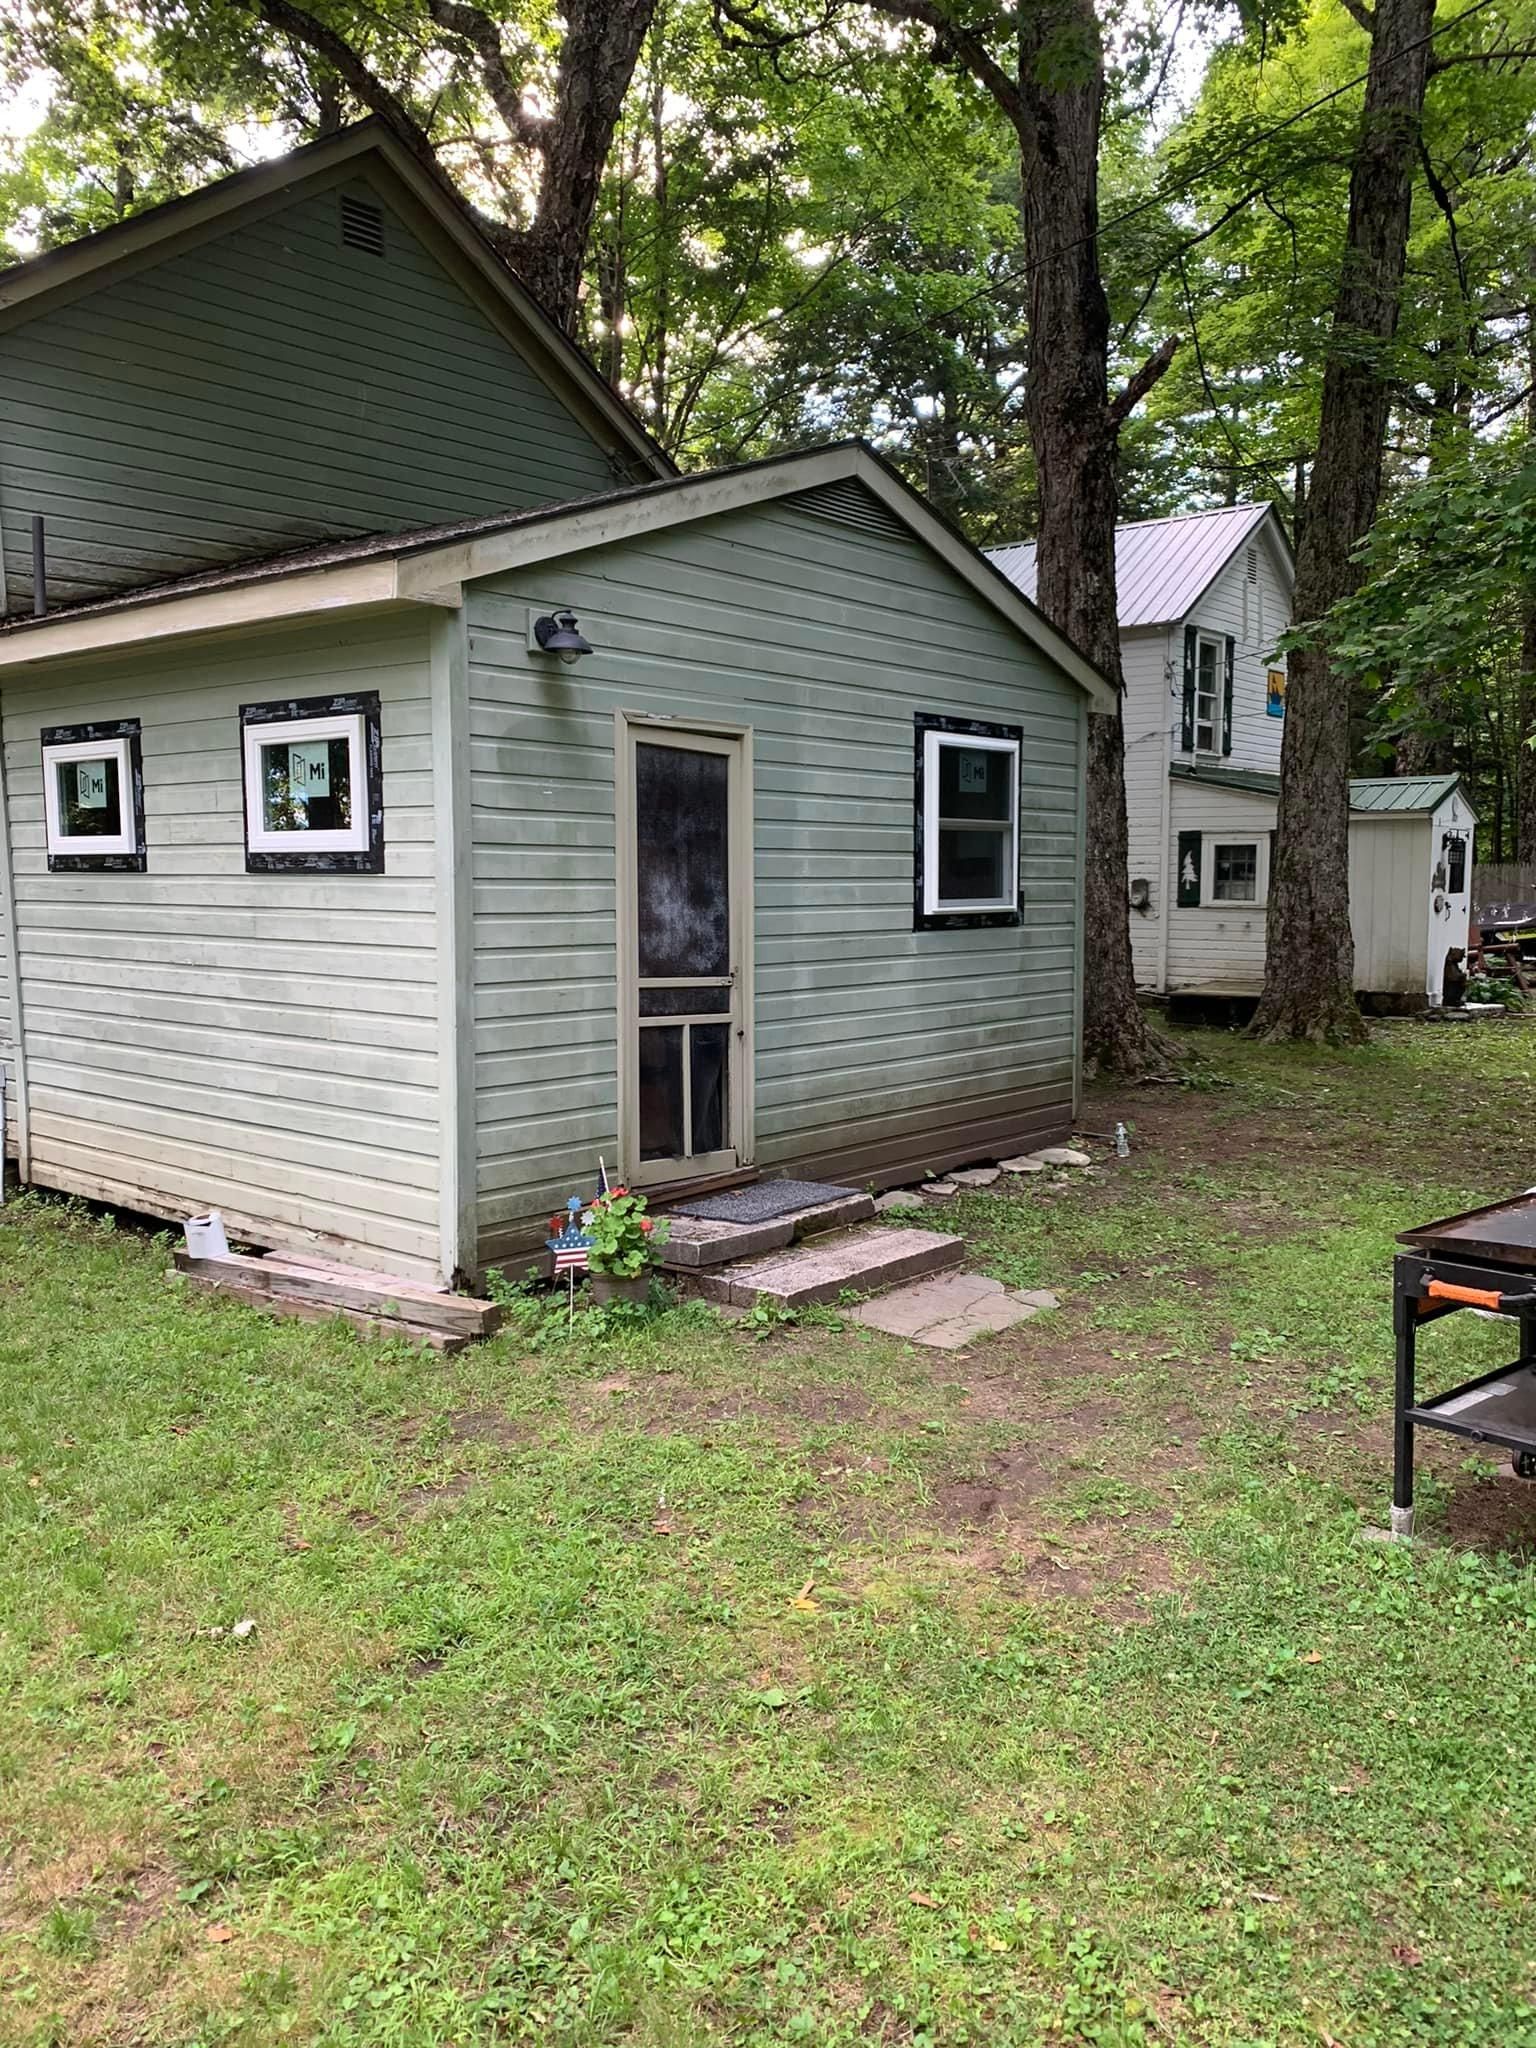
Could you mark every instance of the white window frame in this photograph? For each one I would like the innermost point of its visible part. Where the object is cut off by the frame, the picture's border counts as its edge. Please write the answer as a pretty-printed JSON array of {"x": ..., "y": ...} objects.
[
  {"x": 348, "y": 725},
  {"x": 933, "y": 904},
  {"x": 1218, "y": 646},
  {"x": 1259, "y": 841},
  {"x": 79, "y": 845}
]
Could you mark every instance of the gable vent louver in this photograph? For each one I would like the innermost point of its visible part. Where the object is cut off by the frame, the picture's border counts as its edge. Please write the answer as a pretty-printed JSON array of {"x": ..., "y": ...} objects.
[
  {"x": 849, "y": 504},
  {"x": 362, "y": 225},
  {"x": 1253, "y": 565}
]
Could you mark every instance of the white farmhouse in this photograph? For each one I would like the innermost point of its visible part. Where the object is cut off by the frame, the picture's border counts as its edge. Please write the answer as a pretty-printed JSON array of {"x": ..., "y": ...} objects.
[{"x": 1203, "y": 599}]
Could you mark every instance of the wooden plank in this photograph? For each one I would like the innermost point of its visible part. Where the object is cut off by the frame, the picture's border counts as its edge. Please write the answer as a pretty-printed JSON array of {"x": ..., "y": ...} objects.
[
  {"x": 452, "y": 1314},
  {"x": 326, "y": 1312}
]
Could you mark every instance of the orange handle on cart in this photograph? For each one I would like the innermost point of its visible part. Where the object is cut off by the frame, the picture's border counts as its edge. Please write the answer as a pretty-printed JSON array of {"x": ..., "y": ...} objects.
[{"x": 1470, "y": 1297}]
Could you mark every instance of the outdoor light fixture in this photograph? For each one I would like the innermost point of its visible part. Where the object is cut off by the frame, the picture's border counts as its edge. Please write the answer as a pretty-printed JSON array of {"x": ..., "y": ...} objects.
[{"x": 556, "y": 634}]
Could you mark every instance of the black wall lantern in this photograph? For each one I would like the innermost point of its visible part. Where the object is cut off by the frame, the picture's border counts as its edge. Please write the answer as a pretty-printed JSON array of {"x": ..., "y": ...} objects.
[{"x": 556, "y": 633}]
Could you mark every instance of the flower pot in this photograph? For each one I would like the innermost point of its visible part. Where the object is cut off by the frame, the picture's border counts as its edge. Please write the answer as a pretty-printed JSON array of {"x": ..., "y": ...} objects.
[{"x": 608, "y": 1287}]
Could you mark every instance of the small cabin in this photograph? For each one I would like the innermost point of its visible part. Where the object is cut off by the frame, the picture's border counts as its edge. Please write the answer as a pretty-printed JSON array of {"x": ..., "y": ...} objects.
[
  {"x": 1202, "y": 599},
  {"x": 419, "y": 792}
]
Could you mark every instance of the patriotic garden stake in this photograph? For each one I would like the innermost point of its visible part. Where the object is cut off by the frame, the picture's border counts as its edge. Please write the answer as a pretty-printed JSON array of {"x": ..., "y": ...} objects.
[{"x": 572, "y": 1249}]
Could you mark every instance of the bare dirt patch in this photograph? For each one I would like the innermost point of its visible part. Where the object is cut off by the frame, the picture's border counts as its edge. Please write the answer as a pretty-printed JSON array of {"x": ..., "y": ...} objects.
[
  {"x": 484, "y": 1426},
  {"x": 1494, "y": 1516}
]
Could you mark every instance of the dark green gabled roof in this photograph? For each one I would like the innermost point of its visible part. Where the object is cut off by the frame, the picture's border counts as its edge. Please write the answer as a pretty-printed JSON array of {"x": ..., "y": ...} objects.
[
  {"x": 1401, "y": 792},
  {"x": 1378, "y": 794},
  {"x": 1252, "y": 779}
]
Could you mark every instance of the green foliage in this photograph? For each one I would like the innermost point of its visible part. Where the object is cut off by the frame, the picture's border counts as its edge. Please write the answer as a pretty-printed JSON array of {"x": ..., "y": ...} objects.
[
  {"x": 1448, "y": 567},
  {"x": 626, "y": 1239}
]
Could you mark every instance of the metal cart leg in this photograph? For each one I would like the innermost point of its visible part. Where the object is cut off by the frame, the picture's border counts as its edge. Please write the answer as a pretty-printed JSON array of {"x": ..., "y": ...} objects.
[{"x": 1405, "y": 1326}]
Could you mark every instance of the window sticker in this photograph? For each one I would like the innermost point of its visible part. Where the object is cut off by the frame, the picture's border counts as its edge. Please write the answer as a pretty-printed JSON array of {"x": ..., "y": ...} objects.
[
  {"x": 90, "y": 785},
  {"x": 309, "y": 770}
]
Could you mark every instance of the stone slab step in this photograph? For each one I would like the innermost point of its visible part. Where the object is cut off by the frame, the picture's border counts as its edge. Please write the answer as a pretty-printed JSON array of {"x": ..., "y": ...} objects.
[
  {"x": 862, "y": 1261},
  {"x": 952, "y": 1310},
  {"x": 699, "y": 1241}
]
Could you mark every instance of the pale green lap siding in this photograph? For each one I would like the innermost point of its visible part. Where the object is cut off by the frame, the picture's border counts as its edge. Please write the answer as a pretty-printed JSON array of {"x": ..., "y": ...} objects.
[
  {"x": 267, "y": 389},
  {"x": 196, "y": 1036},
  {"x": 824, "y": 640}
]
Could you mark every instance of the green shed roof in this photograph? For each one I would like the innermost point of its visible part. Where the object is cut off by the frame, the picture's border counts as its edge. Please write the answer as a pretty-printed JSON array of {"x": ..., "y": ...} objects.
[
  {"x": 1401, "y": 792},
  {"x": 1377, "y": 793}
]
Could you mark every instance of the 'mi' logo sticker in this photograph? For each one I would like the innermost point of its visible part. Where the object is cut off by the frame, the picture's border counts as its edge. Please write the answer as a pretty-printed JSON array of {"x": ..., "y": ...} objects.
[
  {"x": 90, "y": 785},
  {"x": 309, "y": 769},
  {"x": 973, "y": 772}
]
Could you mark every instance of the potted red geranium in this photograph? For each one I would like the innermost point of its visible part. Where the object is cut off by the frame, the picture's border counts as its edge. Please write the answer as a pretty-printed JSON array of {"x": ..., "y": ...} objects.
[{"x": 625, "y": 1244}]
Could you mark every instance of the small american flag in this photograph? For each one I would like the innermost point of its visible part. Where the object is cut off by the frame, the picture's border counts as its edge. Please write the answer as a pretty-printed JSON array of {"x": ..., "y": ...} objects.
[{"x": 570, "y": 1244}]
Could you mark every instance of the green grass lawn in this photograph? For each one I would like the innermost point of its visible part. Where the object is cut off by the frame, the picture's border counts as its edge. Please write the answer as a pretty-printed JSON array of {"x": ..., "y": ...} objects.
[{"x": 675, "y": 1682}]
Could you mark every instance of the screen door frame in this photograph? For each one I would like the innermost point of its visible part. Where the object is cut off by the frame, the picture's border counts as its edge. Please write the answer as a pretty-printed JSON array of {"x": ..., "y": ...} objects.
[{"x": 714, "y": 736}]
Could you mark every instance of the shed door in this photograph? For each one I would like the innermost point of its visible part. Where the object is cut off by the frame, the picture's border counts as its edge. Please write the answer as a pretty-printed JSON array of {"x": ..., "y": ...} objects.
[{"x": 683, "y": 935}]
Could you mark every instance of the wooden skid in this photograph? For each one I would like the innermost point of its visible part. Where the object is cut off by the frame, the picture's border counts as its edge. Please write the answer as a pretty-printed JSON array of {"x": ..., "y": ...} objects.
[
  {"x": 375, "y": 1298},
  {"x": 324, "y": 1312}
]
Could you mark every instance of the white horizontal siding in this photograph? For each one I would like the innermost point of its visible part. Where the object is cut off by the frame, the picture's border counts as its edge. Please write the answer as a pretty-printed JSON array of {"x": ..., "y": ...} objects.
[
  {"x": 824, "y": 641},
  {"x": 1217, "y": 946},
  {"x": 198, "y": 1036},
  {"x": 1150, "y": 709}
]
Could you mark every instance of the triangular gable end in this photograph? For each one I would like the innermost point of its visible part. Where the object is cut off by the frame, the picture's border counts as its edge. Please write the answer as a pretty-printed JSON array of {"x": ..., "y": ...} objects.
[
  {"x": 440, "y": 217},
  {"x": 317, "y": 363}
]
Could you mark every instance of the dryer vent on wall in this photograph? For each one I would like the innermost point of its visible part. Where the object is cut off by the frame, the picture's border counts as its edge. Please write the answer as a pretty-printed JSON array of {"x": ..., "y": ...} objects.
[{"x": 362, "y": 225}]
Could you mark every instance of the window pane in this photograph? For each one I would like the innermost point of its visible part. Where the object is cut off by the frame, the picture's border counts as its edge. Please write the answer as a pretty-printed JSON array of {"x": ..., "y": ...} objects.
[
  {"x": 682, "y": 861},
  {"x": 684, "y": 1002},
  {"x": 709, "y": 1049},
  {"x": 975, "y": 782},
  {"x": 661, "y": 1092},
  {"x": 306, "y": 785},
  {"x": 1235, "y": 874},
  {"x": 973, "y": 866},
  {"x": 90, "y": 799}
]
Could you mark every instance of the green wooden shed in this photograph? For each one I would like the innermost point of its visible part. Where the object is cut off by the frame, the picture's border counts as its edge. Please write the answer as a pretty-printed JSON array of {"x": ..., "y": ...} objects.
[{"x": 370, "y": 869}]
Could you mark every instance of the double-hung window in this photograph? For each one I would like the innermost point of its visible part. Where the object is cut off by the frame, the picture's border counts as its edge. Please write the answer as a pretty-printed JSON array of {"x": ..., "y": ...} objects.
[
  {"x": 967, "y": 867},
  {"x": 313, "y": 786},
  {"x": 1210, "y": 683},
  {"x": 93, "y": 797}
]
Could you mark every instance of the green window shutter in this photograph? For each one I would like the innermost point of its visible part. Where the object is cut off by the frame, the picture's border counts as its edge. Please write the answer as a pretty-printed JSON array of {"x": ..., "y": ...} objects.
[
  {"x": 1226, "y": 699},
  {"x": 1187, "y": 893},
  {"x": 1187, "y": 738}
]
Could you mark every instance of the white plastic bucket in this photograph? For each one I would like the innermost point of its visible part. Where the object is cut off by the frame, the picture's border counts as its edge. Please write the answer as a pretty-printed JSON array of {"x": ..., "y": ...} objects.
[{"x": 205, "y": 1236}]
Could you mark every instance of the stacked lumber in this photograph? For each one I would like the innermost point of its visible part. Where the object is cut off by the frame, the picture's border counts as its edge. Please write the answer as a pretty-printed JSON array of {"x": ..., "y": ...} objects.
[{"x": 378, "y": 1304}]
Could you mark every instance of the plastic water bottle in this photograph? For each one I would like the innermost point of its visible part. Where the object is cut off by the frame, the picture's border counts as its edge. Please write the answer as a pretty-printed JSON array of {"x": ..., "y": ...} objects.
[{"x": 1122, "y": 1142}]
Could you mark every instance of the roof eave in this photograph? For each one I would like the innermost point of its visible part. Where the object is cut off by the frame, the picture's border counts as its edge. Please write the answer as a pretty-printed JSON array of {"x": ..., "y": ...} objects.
[{"x": 433, "y": 572}]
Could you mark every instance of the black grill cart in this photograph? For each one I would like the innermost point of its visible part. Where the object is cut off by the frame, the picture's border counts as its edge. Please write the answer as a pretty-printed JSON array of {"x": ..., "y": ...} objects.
[{"x": 1484, "y": 1259}]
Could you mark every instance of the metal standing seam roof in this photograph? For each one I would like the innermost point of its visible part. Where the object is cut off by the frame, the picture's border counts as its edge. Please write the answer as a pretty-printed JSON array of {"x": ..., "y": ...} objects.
[
  {"x": 1401, "y": 792},
  {"x": 1381, "y": 794},
  {"x": 1162, "y": 566}
]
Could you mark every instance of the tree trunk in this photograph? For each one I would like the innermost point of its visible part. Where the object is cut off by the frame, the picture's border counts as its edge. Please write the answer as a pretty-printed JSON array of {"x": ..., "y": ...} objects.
[
  {"x": 1074, "y": 431},
  {"x": 598, "y": 55},
  {"x": 603, "y": 39},
  {"x": 1309, "y": 965}
]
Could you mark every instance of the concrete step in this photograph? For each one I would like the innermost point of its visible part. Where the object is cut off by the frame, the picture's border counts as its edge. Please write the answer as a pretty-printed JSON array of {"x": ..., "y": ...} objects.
[
  {"x": 700, "y": 1241},
  {"x": 862, "y": 1261}
]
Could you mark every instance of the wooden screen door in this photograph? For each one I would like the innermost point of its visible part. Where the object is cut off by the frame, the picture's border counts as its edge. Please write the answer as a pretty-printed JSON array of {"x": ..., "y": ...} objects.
[{"x": 685, "y": 941}]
